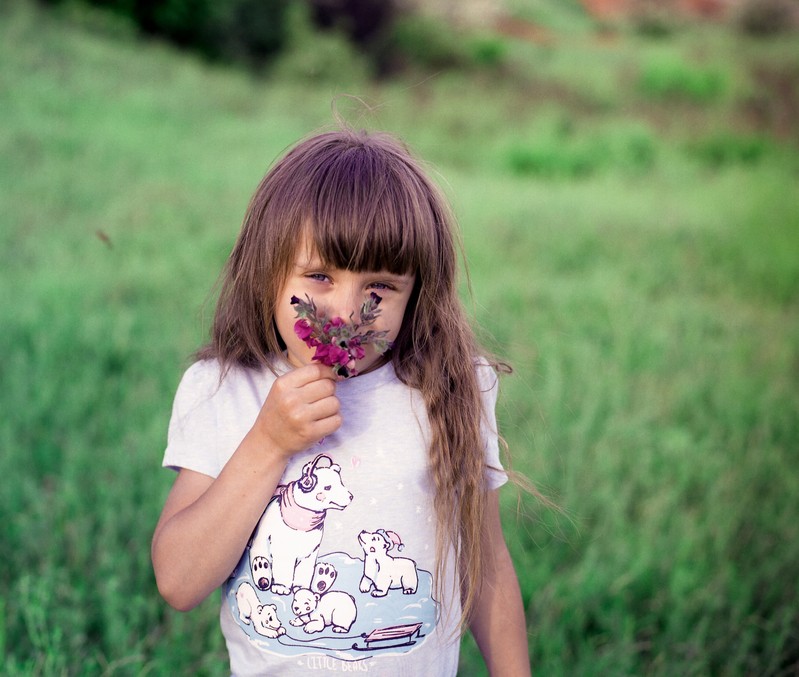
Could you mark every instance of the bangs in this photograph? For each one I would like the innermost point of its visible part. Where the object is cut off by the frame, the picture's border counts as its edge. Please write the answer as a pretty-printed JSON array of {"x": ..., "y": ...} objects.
[
  {"x": 365, "y": 204},
  {"x": 367, "y": 208}
]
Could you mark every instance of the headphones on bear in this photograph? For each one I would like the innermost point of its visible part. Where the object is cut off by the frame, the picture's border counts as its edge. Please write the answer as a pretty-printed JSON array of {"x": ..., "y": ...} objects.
[{"x": 308, "y": 480}]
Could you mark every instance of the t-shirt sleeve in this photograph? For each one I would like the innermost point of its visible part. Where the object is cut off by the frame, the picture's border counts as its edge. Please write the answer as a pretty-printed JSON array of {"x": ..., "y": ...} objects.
[
  {"x": 193, "y": 429},
  {"x": 488, "y": 382}
]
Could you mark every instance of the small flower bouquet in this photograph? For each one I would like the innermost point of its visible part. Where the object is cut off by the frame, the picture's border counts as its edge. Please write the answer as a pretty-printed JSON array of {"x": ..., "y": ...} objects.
[{"x": 338, "y": 342}]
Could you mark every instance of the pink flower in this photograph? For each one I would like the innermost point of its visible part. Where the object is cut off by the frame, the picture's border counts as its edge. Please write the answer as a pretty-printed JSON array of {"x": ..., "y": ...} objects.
[
  {"x": 355, "y": 348},
  {"x": 331, "y": 355},
  {"x": 335, "y": 323},
  {"x": 303, "y": 329}
]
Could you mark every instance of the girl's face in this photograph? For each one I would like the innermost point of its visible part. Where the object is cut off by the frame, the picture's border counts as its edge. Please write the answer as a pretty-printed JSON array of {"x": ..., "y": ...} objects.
[{"x": 339, "y": 292}]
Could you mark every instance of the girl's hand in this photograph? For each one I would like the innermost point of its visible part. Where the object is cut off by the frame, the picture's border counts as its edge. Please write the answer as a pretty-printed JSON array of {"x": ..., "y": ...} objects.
[{"x": 300, "y": 410}]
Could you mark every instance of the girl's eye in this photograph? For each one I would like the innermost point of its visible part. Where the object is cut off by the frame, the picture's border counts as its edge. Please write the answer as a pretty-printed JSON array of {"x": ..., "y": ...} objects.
[
  {"x": 380, "y": 285},
  {"x": 318, "y": 277}
]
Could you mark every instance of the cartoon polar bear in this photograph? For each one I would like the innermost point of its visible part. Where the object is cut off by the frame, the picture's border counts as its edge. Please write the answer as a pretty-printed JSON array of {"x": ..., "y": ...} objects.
[
  {"x": 285, "y": 543},
  {"x": 263, "y": 617},
  {"x": 315, "y": 612},
  {"x": 381, "y": 570}
]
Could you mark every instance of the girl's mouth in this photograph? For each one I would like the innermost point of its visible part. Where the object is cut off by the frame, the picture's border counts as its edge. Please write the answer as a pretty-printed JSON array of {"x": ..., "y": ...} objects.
[{"x": 337, "y": 342}]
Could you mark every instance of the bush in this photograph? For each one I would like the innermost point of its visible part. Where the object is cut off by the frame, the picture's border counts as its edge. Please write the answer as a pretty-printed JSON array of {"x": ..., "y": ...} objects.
[
  {"x": 419, "y": 41},
  {"x": 654, "y": 20},
  {"x": 727, "y": 149},
  {"x": 319, "y": 56},
  {"x": 632, "y": 150},
  {"x": 767, "y": 17},
  {"x": 366, "y": 25},
  {"x": 548, "y": 160},
  {"x": 488, "y": 51},
  {"x": 248, "y": 30},
  {"x": 668, "y": 78}
]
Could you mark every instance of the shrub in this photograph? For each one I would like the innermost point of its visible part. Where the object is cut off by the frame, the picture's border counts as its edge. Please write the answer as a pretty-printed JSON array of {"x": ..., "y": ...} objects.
[
  {"x": 551, "y": 159},
  {"x": 488, "y": 51},
  {"x": 668, "y": 78},
  {"x": 726, "y": 149},
  {"x": 249, "y": 30},
  {"x": 635, "y": 151},
  {"x": 629, "y": 149},
  {"x": 318, "y": 55},
  {"x": 419, "y": 41},
  {"x": 432, "y": 44},
  {"x": 366, "y": 25},
  {"x": 767, "y": 17},
  {"x": 654, "y": 20}
]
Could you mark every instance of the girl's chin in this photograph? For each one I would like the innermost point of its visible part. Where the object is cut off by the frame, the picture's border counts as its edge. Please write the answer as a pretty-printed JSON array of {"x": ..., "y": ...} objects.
[
  {"x": 298, "y": 360},
  {"x": 370, "y": 364},
  {"x": 367, "y": 364}
]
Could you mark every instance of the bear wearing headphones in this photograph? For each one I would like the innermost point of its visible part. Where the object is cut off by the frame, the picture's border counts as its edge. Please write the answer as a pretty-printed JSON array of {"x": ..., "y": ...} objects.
[{"x": 286, "y": 540}]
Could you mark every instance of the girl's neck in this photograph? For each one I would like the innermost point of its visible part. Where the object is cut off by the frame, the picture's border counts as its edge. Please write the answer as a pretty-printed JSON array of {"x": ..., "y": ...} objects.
[{"x": 380, "y": 362}]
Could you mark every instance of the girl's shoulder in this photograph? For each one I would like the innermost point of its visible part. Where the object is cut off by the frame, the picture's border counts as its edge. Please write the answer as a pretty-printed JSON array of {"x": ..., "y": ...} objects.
[
  {"x": 208, "y": 378},
  {"x": 203, "y": 376},
  {"x": 199, "y": 383},
  {"x": 202, "y": 371},
  {"x": 487, "y": 373}
]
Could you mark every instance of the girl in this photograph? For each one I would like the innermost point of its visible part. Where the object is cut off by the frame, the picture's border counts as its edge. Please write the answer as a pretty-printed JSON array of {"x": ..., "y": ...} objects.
[{"x": 359, "y": 517}]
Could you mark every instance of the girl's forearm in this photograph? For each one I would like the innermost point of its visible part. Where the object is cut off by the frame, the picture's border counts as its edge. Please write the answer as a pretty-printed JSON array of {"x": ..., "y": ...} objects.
[
  {"x": 499, "y": 626},
  {"x": 207, "y": 522},
  {"x": 498, "y": 621},
  {"x": 502, "y": 633}
]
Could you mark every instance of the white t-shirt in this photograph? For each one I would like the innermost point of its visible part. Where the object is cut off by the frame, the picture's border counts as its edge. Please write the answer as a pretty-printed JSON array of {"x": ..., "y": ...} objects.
[{"x": 338, "y": 576}]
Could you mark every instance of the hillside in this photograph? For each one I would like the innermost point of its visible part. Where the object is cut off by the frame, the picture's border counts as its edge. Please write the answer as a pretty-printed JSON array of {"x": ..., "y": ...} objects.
[{"x": 631, "y": 220}]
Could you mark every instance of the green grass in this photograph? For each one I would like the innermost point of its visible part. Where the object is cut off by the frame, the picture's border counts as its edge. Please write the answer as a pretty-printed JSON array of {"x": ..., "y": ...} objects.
[{"x": 648, "y": 299}]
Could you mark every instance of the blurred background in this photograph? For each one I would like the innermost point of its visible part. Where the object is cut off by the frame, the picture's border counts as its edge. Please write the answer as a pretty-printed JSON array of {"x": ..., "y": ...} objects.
[{"x": 625, "y": 174}]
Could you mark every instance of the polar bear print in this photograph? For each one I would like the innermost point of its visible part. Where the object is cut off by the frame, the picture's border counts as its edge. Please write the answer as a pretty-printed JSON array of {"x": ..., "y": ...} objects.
[
  {"x": 261, "y": 569},
  {"x": 262, "y": 617},
  {"x": 381, "y": 571},
  {"x": 316, "y": 612},
  {"x": 324, "y": 576},
  {"x": 289, "y": 533}
]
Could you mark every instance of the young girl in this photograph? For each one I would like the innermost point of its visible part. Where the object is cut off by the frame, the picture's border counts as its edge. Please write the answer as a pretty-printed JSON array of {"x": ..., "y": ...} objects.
[{"x": 359, "y": 516}]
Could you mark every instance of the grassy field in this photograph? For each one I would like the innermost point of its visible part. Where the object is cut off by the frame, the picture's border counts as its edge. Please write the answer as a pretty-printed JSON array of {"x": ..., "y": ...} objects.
[{"x": 630, "y": 211}]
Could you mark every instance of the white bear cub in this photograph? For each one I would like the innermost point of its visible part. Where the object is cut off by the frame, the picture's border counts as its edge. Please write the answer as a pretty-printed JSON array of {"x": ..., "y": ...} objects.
[
  {"x": 263, "y": 617},
  {"x": 381, "y": 571},
  {"x": 315, "y": 612}
]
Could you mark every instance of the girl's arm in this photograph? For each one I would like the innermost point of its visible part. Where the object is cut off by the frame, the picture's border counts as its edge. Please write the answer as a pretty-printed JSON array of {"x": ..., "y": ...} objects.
[
  {"x": 498, "y": 623},
  {"x": 206, "y": 522}
]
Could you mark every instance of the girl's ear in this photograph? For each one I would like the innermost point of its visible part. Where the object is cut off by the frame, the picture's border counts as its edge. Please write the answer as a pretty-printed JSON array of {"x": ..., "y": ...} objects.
[
  {"x": 280, "y": 342},
  {"x": 413, "y": 303}
]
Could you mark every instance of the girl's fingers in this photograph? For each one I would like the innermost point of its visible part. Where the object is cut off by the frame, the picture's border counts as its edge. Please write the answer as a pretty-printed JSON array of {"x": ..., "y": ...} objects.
[
  {"x": 323, "y": 408},
  {"x": 310, "y": 373},
  {"x": 305, "y": 385},
  {"x": 301, "y": 407},
  {"x": 317, "y": 402},
  {"x": 316, "y": 391},
  {"x": 326, "y": 426}
]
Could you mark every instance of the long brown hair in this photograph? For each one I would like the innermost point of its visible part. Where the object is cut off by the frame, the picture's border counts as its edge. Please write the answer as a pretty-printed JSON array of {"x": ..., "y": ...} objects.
[{"x": 369, "y": 205}]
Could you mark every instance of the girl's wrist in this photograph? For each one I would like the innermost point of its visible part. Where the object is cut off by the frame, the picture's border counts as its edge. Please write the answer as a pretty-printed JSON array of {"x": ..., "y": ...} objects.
[{"x": 267, "y": 449}]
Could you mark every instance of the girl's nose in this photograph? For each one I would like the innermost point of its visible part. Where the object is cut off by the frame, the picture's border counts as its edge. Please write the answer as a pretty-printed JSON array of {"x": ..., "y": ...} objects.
[{"x": 347, "y": 301}]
